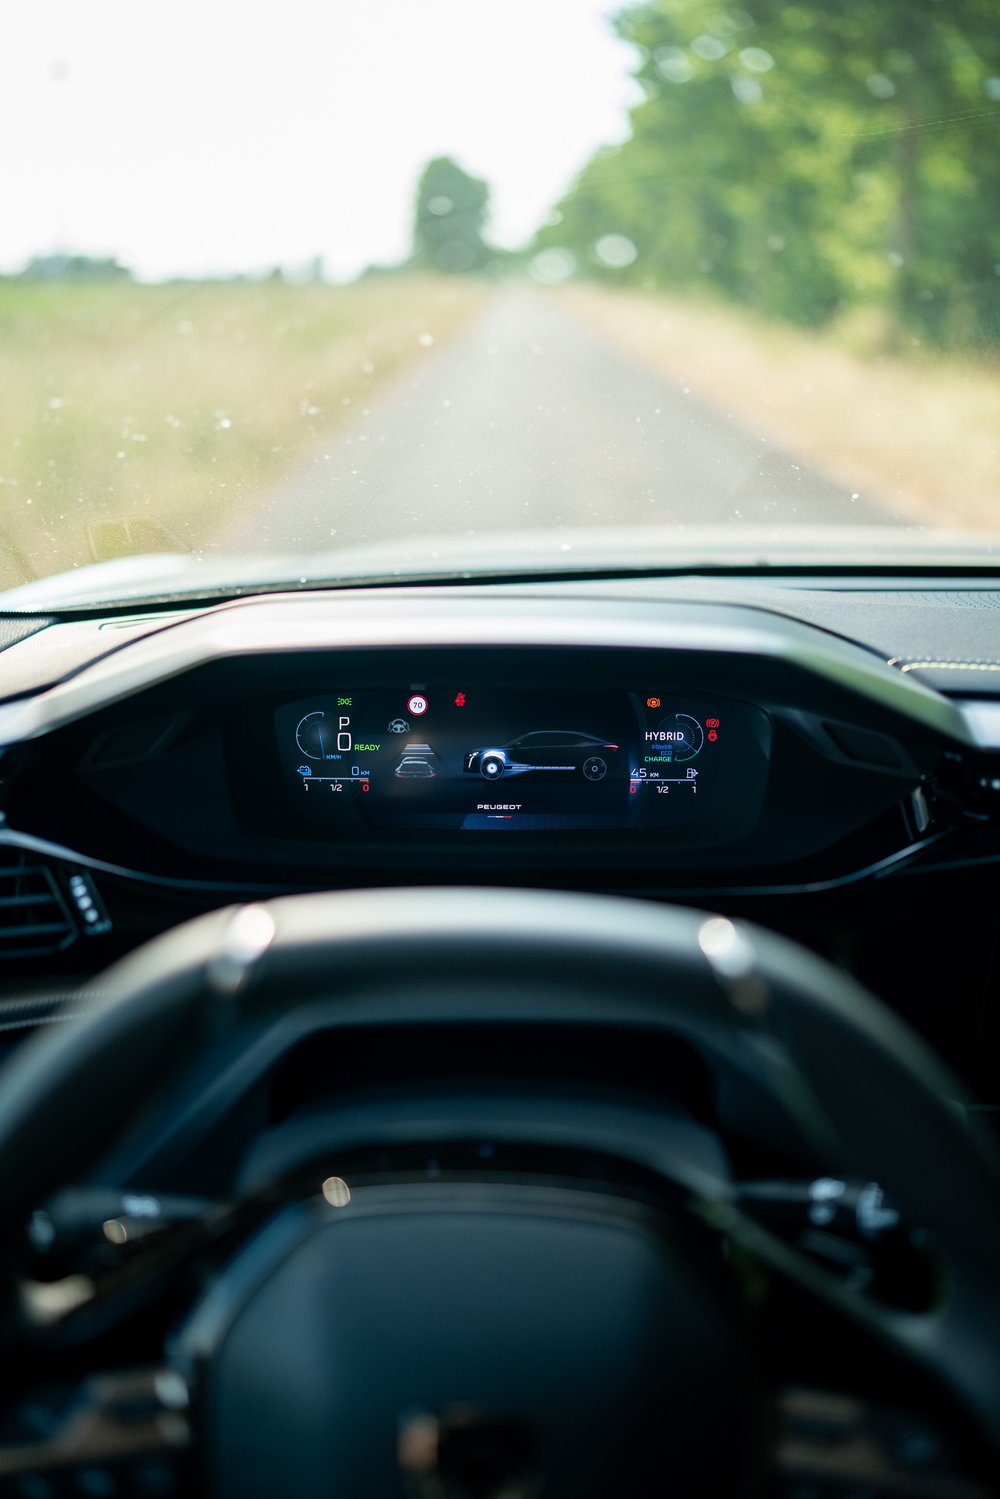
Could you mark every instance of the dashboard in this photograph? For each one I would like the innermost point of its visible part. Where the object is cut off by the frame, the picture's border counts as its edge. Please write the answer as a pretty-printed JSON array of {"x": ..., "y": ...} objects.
[
  {"x": 760, "y": 751},
  {"x": 261, "y": 763},
  {"x": 285, "y": 733}
]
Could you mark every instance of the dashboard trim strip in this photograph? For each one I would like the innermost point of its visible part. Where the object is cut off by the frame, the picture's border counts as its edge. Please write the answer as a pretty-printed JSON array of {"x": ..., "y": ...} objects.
[{"x": 899, "y": 860}]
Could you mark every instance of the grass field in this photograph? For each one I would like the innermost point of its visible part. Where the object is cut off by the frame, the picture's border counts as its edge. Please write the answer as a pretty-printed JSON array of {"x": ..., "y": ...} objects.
[
  {"x": 920, "y": 433},
  {"x": 177, "y": 404}
]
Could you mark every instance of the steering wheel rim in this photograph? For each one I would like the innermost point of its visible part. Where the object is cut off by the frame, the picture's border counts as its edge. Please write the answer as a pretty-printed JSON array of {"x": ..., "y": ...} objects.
[{"x": 847, "y": 1069}]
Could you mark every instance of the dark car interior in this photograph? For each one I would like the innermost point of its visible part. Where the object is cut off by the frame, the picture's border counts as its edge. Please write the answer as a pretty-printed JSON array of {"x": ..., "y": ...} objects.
[{"x": 376, "y": 1134}]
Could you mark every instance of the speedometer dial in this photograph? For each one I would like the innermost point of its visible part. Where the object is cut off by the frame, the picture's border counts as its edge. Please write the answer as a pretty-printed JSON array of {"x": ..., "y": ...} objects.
[{"x": 311, "y": 735}]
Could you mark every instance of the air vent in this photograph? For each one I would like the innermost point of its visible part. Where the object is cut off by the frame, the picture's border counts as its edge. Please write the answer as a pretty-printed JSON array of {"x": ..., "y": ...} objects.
[
  {"x": 864, "y": 746},
  {"x": 34, "y": 919}
]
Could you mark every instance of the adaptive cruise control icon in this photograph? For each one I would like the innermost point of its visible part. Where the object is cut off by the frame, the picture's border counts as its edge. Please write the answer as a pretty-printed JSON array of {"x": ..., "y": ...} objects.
[
  {"x": 399, "y": 726},
  {"x": 545, "y": 750},
  {"x": 415, "y": 763}
]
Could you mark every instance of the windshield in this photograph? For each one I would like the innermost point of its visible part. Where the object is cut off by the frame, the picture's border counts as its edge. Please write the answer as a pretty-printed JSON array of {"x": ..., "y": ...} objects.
[{"x": 289, "y": 287}]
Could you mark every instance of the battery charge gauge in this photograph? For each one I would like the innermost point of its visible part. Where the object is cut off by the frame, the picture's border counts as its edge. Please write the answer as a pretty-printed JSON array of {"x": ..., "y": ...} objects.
[{"x": 681, "y": 736}]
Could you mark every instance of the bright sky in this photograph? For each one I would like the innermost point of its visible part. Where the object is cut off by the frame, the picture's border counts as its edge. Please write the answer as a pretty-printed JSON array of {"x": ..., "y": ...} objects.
[{"x": 216, "y": 135}]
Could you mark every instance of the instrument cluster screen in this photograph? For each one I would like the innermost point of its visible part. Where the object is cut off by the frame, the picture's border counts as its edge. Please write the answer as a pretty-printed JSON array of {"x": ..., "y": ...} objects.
[{"x": 455, "y": 758}]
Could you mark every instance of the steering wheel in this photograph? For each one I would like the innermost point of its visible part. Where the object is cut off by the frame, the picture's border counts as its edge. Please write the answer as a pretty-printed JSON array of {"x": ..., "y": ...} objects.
[{"x": 517, "y": 1331}]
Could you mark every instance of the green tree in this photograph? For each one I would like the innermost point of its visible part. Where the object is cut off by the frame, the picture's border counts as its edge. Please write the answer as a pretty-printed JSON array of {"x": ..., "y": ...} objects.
[
  {"x": 809, "y": 159},
  {"x": 451, "y": 212}
]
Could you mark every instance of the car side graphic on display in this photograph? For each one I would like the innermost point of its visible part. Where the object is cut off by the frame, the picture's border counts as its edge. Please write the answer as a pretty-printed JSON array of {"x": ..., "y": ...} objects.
[{"x": 556, "y": 750}]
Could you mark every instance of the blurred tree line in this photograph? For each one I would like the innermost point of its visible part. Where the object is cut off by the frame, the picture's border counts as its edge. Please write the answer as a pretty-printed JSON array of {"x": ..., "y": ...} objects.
[
  {"x": 449, "y": 219},
  {"x": 833, "y": 161}
]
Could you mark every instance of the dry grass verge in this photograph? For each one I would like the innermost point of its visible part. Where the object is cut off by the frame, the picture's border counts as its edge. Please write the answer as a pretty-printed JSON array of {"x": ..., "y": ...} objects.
[{"x": 919, "y": 434}]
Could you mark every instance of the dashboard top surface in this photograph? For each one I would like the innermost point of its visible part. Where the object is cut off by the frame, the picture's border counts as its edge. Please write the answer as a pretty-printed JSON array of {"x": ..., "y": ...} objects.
[{"x": 139, "y": 653}]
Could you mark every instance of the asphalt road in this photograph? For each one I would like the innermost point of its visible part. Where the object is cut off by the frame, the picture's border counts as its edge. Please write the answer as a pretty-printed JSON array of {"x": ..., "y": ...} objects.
[{"x": 527, "y": 419}]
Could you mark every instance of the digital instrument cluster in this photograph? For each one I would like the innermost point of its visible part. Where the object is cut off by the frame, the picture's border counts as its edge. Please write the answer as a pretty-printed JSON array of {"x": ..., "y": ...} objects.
[{"x": 453, "y": 757}]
